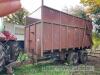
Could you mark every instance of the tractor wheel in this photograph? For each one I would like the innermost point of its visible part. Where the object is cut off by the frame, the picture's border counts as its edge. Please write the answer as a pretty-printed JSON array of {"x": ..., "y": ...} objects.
[
  {"x": 14, "y": 50},
  {"x": 83, "y": 56},
  {"x": 2, "y": 57},
  {"x": 72, "y": 58}
]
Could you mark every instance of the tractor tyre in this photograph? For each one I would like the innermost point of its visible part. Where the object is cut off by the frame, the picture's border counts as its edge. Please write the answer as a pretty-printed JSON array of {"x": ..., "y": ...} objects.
[{"x": 2, "y": 57}]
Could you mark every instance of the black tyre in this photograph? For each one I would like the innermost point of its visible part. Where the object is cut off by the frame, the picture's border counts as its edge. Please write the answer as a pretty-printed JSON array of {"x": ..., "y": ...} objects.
[
  {"x": 2, "y": 57},
  {"x": 13, "y": 50},
  {"x": 83, "y": 57},
  {"x": 72, "y": 58}
]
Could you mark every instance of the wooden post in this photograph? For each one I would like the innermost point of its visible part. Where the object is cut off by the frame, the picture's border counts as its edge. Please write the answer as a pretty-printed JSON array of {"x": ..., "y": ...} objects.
[{"x": 42, "y": 28}]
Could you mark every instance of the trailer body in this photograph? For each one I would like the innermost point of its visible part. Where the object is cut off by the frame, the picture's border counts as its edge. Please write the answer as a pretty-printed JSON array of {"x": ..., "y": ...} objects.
[{"x": 57, "y": 31}]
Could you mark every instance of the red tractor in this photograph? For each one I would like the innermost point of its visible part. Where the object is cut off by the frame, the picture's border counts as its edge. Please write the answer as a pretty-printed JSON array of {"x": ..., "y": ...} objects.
[{"x": 9, "y": 49}]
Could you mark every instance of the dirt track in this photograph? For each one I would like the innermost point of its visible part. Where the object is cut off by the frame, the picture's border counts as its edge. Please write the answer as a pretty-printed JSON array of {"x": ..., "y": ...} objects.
[{"x": 94, "y": 61}]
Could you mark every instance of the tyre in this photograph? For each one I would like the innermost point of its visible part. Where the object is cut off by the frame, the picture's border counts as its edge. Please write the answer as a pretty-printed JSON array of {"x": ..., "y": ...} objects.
[
  {"x": 13, "y": 50},
  {"x": 83, "y": 56},
  {"x": 2, "y": 57},
  {"x": 62, "y": 56},
  {"x": 72, "y": 58}
]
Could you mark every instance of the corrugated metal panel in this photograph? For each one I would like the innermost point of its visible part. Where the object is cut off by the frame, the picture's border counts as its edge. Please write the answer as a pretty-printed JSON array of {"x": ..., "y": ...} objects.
[
  {"x": 50, "y": 15},
  {"x": 27, "y": 38},
  {"x": 32, "y": 37},
  {"x": 59, "y": 32},
  {"x": 63, "y": 37},
  {"x": 47, "y": 36}
]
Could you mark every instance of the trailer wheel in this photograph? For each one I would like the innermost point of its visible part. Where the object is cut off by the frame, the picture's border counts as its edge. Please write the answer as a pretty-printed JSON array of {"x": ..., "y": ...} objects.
[
  {"x": 72, "y": 58},
  {"x": 2, "y": 57},
  {"x": 83, "y": 57}
]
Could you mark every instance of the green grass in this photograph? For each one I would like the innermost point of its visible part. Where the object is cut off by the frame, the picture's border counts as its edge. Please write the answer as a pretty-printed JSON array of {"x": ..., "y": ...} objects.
[
  {"x": 45, "y": 69},
  {"x": 39, "y": 69}
]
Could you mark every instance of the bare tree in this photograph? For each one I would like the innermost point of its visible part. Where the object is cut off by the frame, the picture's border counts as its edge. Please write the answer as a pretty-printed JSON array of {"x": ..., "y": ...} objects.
[{"x": 76, "y": 11}]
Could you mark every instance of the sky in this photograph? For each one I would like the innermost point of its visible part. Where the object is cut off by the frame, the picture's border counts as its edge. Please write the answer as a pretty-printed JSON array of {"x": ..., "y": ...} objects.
[{"x": 31, "y": 5}]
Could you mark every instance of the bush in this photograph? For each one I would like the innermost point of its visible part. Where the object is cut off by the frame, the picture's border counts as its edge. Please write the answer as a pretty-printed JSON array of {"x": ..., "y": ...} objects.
[
  {"x": 22, "y": 57},
  {"x": 96, "y": 40}
]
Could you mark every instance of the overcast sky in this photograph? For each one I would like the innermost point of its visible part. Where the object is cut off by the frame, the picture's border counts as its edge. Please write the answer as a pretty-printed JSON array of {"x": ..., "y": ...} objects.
[{"x": 31, "y": 5}]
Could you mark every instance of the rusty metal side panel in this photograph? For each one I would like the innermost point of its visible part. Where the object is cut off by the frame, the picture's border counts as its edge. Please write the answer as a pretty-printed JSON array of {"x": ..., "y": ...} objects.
[
  {"x": 88, "y": 34},
  {"x": 63, "y": 37},
  {"x": 81, "y": 35},
  {"x": 77, "y": 22},
  {"x": 47, "y": 36},
  {"x": 88, "y": 41},
  {"x": 26, "y": 38},
  {"x": 66, "y": 19},
  {"x": 56, "y": 36},
  {"x": 85, "y": 41},
  {"x": 76, "y": 37},
  {"x": 81, "y": 23},
  {"x": 32, "y": 38},
  {"x": 38, "y": 38},
  {"x": 50, "y": 15},
  {"x": 90, "y": 31},
  {"x": 70, "y": 37}
]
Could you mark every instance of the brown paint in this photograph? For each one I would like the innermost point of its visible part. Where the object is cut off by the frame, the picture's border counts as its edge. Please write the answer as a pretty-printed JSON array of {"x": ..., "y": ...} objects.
[{"x": 60, "y": 31}]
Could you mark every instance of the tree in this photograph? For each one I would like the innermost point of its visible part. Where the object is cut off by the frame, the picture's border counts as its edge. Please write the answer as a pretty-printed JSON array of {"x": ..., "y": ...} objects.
[
  {"x": 77, "y": 11},
  {"x": 91, "y": 2},
  {"x": 92, "y": 7},
  {"x": 17, "y": 17}
]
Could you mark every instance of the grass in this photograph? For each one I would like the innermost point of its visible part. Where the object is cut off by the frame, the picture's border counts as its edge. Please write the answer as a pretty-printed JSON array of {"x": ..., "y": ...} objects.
[
  {"x": 39, "y": 69},
  {"x": 47, "y": 69}
]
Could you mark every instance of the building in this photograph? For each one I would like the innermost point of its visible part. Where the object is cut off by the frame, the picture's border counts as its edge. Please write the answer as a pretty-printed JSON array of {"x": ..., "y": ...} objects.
[{"x": 17, "y": 30}]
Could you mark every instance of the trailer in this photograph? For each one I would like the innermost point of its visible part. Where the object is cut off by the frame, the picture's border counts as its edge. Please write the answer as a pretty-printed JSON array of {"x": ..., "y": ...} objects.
[{"x": 58, "y": 35}]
